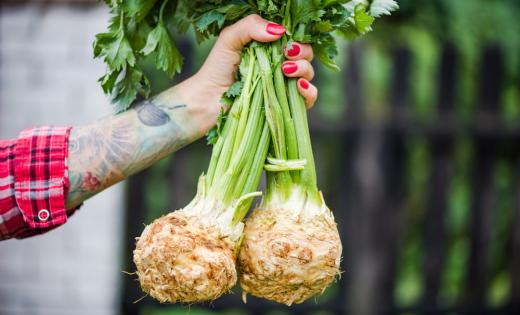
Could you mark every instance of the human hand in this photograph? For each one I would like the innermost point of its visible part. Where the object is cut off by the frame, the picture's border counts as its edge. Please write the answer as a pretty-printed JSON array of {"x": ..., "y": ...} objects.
[{"x": 217, "y": 72}]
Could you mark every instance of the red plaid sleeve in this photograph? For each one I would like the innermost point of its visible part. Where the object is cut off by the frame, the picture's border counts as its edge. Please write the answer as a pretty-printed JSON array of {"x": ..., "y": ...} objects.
[{"x": 33, "y": 182}]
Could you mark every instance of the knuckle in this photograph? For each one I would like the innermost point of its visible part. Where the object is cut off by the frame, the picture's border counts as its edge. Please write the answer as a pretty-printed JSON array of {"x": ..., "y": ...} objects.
[
  {"x": 307, "y": 68},
  {"x": 254, "y": 19},
  {"x": 310, "y": 52},
  {"x": 226, "y": 30}
]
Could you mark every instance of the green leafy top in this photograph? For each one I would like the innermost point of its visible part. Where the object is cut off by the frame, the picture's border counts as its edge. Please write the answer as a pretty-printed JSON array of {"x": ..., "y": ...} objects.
[
  {"x": 137, "y": 29},
  {"x": 141, "y": 28}
]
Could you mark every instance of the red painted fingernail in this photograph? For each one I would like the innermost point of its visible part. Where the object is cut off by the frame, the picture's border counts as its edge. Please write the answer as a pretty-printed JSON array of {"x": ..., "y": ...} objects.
[
  {"x": 289, "y": 67},
  {"x": 304, "y": 84},
  {"x": 275, "y": 29},
  {"x": 294, "y": 51}
]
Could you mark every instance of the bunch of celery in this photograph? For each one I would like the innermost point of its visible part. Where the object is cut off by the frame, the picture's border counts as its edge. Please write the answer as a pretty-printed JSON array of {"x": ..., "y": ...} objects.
[{"x": 291, "y": 248}]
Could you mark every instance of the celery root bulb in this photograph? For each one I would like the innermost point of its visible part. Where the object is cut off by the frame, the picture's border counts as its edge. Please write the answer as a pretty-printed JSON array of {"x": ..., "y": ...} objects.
[
  {"x": 288, "y": 257},
  {"x": 181, "y": 259}
]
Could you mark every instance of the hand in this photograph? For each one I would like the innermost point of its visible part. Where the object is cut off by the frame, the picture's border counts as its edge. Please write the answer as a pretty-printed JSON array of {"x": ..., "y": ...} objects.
[{"x": 216, "y": 75}]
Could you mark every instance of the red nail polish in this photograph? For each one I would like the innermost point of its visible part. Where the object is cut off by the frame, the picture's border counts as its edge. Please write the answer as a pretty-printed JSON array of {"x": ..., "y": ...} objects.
[
  {"x": 275, "y": 29},
  {"x": 294, "y": 51},
  {"x": 289, "y": 67},
  {"x": 304, "y": 84}
]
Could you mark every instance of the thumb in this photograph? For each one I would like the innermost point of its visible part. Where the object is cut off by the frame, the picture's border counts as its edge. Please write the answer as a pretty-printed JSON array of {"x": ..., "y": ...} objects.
[{"x": 252, "y": 27}]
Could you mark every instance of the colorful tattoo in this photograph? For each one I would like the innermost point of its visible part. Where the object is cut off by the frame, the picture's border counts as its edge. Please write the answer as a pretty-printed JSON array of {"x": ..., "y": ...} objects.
[{"x": 114, "y": 148}]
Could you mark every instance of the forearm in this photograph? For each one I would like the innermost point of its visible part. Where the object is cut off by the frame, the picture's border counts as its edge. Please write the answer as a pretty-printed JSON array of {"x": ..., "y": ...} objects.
[{"x": 114, "y": 148}]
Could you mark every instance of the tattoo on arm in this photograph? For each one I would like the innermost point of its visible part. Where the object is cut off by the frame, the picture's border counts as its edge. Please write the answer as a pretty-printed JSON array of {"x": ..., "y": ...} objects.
[
  {"x": 151, "y": 115},
  {"x": 114, "y": 148}
]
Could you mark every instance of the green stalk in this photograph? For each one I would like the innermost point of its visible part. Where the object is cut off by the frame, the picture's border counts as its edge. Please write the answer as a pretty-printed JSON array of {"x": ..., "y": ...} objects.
[
  {"x": 287, "y": 19},
  {"x": 239, "y": 187},
  {"x": 299, "y": 113},
  {"x": 259, "y": 160},
  {"x": 161, "y": 12},
  {"x": 245, "y": 98},
  {"x": 270, "y": 179},
  {"x": 215, "y": 154},
  {"x": 226, "y": 184},
  {"x": 237, "y": 121},
  {"x": 218, "y": 147},
  {"x": 275, "y": 117},
  {"x": 255, "y": 172},
  {"x": 281, "y": 93},
  {"x": 228, "y": 141},
  {"x": 272, "y": 106}
]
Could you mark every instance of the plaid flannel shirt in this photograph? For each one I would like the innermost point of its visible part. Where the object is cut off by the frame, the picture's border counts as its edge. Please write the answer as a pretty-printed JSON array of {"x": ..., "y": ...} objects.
[{"x": 33, "y": 182}]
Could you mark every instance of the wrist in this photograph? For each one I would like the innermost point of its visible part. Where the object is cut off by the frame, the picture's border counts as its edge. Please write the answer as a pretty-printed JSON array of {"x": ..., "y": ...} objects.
[{"x": 202, "y": 102}]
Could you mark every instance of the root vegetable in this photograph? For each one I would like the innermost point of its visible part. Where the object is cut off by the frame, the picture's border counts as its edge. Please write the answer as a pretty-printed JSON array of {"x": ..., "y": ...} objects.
[
  {"x": 289, "y": 253},
  {"x": 179, "y": 259},
  {"x": 291, "y": 249},
  {"x": 189, "y": 255},
  {"x": 291, "y": 246}
]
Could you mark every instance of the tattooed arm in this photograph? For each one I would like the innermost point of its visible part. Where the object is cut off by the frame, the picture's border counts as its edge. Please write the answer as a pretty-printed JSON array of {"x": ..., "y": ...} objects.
[{"x": 114, "y": 148}]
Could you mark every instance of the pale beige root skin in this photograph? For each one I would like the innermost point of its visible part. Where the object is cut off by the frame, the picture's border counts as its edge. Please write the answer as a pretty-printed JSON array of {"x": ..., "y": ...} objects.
[
  {"x": 287, "y": 258},
  {"x": 180, "y": 260}
]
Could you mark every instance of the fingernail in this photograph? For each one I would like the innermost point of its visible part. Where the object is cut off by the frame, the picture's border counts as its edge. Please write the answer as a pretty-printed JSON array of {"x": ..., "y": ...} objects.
[
  {"x": 275, "y": 29},
  {"x": 294, "y": 51},
  {"x": 304, "y": 84},
  {"x": 289, "y": 67}
]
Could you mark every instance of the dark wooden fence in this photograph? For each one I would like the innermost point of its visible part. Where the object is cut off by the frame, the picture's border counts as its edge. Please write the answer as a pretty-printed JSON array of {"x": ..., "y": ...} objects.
[{"x": 363, "y": 168}]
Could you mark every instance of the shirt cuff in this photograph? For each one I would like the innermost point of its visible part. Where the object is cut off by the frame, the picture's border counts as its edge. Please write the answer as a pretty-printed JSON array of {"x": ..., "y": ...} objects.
[{"x": 41, "y": 176}]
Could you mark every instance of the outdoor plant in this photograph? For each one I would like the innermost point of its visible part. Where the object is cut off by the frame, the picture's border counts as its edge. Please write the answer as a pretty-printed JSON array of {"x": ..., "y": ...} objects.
[{"x": 291, "y": 248}]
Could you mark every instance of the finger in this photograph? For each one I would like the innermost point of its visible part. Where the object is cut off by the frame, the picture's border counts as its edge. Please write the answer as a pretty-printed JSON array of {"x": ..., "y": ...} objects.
[
  {"x": 298, "y": 69},
  {"x": 252, "y": 27},
  {"x": 309, "y": 92},
  {"x": 299, "y": 51}
]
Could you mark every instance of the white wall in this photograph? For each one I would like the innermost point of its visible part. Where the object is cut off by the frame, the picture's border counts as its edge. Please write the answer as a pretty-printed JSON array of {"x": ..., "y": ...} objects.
[{"x": 47, "y": 76}]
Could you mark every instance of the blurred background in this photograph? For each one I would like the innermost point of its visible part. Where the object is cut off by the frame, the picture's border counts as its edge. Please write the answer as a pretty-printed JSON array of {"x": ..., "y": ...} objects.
[{"x": 417, "y": 145}]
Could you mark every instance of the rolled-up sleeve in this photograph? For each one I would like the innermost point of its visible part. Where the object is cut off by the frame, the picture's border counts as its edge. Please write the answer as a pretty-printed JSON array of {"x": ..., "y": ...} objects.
[{"x": 35, "y": 174}]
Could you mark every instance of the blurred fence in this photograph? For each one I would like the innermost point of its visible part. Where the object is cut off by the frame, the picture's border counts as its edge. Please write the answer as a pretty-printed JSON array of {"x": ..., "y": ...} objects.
[{"x": 428, "y": 209}]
